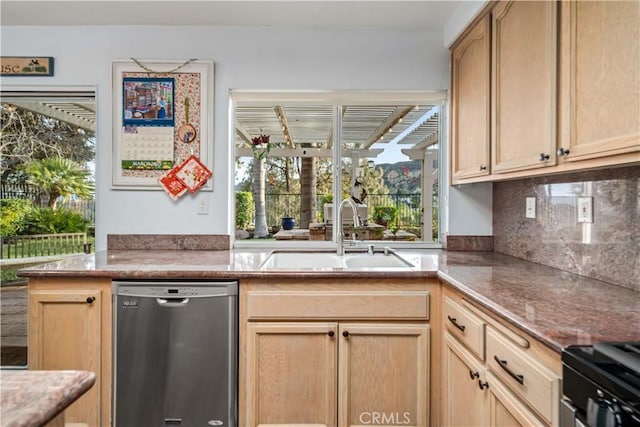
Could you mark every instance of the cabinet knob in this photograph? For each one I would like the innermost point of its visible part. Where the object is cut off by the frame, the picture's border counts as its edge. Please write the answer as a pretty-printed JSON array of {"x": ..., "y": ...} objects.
[
  {"x": 90, "y": 300},
  {"x": 474, "y": 375},
  {"x": 483, "y": 385},
  {"x": 331, "y": 333},
  {"x": 345, "y": 334},
  {"x": 543, "y": 157},
  {"x": 483, "y": 167},
  {"x": 562, "y": 151}
]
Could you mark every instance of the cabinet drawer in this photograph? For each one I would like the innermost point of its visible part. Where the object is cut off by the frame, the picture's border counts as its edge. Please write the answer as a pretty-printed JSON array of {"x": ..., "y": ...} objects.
[
  {"x": 336, "y": 305},
  {"x": 465, "y": 325},
  {"x": 538, "y": 386}
]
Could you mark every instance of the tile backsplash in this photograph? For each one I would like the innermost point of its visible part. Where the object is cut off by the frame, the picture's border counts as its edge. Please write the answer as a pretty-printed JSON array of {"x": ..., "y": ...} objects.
[{"x": 607, "y": 249}]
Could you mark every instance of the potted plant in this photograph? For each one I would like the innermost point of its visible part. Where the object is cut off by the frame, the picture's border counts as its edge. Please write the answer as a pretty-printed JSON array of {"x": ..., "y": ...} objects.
[
  {"x": 288, "y": 223},
  {"x": 384, "y": 215}
]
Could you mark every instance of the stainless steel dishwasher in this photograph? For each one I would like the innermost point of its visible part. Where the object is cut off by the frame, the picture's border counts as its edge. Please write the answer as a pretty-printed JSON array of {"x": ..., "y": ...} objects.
[{"x": 175, "y": 353}]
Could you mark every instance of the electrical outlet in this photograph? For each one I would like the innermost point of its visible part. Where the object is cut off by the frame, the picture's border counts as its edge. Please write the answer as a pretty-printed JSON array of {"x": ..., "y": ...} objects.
[
  {"x": 585, "y": 209},
  {"x": 203, "y": 207},
  {"x": 531, "y": 208}
]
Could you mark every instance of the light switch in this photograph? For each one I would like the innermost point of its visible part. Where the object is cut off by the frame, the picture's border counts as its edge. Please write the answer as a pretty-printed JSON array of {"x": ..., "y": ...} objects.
[
  {"x": 203, "y": 207},
  {"x": 531, "y": 207},
  {"x": 585, "y": 209}
]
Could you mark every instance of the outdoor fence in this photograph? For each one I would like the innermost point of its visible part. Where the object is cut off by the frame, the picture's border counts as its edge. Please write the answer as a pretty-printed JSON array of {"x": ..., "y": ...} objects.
[
  {"x": 43, "y": 245},
  {"x": 409, "y": 208},
  {"x": 86, "y": 208}
]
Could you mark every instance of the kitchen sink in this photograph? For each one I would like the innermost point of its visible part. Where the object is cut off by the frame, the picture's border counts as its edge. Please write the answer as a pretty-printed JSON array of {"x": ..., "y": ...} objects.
[
  {"x": 290, "y": 260},
  {"x": 302, "y": 260}
]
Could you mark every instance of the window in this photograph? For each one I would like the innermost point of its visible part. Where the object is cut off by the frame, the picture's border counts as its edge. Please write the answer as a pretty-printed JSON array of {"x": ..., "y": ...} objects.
[{"x": 288, "y": 182}]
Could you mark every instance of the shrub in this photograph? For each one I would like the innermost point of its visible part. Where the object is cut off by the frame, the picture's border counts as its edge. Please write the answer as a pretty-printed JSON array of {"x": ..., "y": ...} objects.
[
  {"x": 244, "y": 209},
  {"x": 385, "y": 215},
  {"x": 14, "y": 215},
  {"x": 50, "y": 221}
]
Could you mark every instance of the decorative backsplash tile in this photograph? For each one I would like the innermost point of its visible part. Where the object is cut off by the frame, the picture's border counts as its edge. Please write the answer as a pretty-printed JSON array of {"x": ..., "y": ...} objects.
[
  {"x": 469, "y": 243},
  {"x": 607, "y": 249},
  {"x": 176, "y": 242}
]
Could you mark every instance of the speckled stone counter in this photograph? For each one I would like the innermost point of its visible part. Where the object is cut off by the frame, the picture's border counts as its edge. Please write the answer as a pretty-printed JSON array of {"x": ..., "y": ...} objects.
[
  {"x": 557, "y": 307},
  {"x": 33, "y": 398}
]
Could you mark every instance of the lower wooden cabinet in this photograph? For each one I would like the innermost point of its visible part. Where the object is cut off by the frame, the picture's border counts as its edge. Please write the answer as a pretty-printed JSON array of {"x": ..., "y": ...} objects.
[
  {"x": 337, "y": 374},
  {"x": 505, "y": 409},
  {"x": 70, "y": 329},
  {"x": 464, "y": 383},
  {"x": 324, "y": 352},
  {"x": 291, "y": 374},
  {"x": 494, "y": 376}
]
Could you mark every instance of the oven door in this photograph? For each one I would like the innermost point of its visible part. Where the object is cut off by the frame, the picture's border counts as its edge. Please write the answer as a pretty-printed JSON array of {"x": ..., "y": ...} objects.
[{"x": 588, "y": 404}]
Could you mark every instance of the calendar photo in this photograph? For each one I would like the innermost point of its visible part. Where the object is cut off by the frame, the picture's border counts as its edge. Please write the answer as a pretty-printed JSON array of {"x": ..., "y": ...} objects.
[{"x": 148, "y": 101}]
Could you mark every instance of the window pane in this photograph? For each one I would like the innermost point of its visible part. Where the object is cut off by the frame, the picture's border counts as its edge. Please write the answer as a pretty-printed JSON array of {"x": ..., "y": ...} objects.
[
  {"x": 389, "y": 159},
  {"x": 283, "y": 172}
]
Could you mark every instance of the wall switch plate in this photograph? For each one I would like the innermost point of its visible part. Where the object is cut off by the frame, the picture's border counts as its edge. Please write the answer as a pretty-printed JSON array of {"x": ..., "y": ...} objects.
[
  {"x": 531, "y": 207},
  {"x": 203, "y": 207},
  {"x": 585, "y": 209}
]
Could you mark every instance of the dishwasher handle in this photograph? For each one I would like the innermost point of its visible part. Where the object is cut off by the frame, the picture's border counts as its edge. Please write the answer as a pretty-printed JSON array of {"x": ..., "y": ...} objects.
[{"x": 172, "y": 302}]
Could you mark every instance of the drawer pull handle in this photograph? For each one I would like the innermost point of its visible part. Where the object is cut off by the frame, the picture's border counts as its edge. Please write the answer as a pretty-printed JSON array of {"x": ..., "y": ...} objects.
[
  {"x": 331, "y": 334},
  {"x": 474, "y": 375},
  {"x": 455, "y": 323},
  {"x": 483, "y": 385},
  {"x": 503, "y": 365},
  {"x": 345, "y": 334},
  {"x": 90, "y": 300}
]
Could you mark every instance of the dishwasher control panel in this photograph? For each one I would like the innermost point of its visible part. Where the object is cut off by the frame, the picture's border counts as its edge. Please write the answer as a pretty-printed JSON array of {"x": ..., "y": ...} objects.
[{"x": 175, "y": 289}]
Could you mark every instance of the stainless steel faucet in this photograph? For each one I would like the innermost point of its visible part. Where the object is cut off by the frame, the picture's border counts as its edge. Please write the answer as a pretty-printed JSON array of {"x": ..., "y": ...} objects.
[{"x": 356, "y": 223}]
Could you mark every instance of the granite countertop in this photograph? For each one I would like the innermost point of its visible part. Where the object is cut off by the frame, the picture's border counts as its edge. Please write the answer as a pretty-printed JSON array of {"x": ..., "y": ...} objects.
[
  {"x": 557, "y": 307},
  {"x": 33, "y": 398}
]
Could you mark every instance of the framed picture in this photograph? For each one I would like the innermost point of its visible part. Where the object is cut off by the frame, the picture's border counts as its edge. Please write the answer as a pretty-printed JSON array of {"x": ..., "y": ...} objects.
[{"x": 162, "y": 114}]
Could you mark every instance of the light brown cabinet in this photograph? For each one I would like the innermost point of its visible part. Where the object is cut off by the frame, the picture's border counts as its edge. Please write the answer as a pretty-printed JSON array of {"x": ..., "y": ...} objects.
[
  {"x": 334, "y": 354},
  {"x": 509, "y": 379},
  {"x": 600, "y": 83},
  {"x": 464, "y": 386},
  {"x": 70, "y": 329},
  {"x": 470, "y": 103},
  {"x": 565, "y": 92},
  {"x": 523, "y": 102}
]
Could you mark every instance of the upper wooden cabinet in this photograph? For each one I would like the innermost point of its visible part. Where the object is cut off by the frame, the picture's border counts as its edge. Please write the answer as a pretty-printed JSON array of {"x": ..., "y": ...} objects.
[
  {"x": 564, "y": 89},
  {"x": 600, "y": 79},
  {"x": 523, "y": 107},
  {"x": 470, "y": 102}
]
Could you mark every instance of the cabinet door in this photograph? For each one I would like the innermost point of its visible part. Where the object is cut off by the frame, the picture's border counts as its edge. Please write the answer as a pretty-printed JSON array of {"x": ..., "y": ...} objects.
[
  {"x": 600, "y": 88},
  {"x": 384, "y": 375},
  {"x": 291, "y": 374},
  {"x": 65, "y": 334},
  {"x": 470, "y": 93},
  {"x": 506, "y": 410},
  {"x": 524, "y": 85},
  {"x": 464, "y": 389}
]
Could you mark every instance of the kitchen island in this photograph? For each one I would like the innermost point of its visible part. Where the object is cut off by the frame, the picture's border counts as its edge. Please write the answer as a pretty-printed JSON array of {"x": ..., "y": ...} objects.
[
  {"x": 36, "y": 398},
  {"x": 544, "y": 308}
]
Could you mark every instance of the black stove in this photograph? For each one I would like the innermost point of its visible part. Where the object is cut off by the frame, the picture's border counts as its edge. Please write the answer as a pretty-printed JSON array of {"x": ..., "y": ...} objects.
[{"x": 601, "y": 384}]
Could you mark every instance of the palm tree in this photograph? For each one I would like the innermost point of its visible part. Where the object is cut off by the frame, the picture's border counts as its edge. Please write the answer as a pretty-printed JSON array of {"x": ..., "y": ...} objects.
[{"x": 57, "y": 177}]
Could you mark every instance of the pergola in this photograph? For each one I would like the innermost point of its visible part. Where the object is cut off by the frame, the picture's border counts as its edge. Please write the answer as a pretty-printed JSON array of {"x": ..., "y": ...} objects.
[{"x": 307, "y": 131}]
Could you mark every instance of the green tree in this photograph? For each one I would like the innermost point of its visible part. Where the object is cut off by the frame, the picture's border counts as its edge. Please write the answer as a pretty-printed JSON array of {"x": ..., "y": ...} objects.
[
  {"x": 26, "y": 136},
  {"x": 59, "y": 177}
]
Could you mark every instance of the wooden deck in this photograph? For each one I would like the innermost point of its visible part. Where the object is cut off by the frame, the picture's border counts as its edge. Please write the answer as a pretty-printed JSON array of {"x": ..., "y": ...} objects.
[{"x": 13, "y": 320}]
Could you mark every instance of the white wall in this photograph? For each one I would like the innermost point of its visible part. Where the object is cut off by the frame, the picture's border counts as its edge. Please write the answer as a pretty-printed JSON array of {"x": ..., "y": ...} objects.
[
  {"x": 462, "y": 15},
  {"x": 245, "y": 58}
]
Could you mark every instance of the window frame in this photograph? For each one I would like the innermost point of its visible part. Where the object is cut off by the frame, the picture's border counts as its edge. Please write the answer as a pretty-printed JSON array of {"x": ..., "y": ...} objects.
[{"x": 336, "y": 99}]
